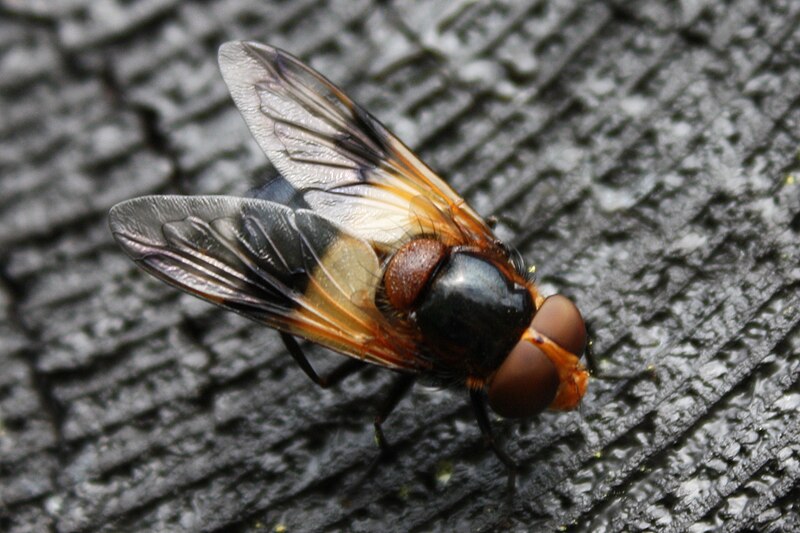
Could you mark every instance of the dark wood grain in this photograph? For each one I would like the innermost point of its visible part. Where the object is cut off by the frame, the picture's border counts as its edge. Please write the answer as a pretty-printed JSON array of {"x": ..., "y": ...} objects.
[{"x": 644, "y": 155}]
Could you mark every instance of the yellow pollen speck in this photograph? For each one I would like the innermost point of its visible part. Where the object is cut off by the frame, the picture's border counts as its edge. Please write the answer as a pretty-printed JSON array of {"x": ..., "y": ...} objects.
[
  {"x": 404, "y": 492},
  {"x": 280, "y": 528},
  {"x": 532, "y": 269},
  {"x": 791, "y": 179},
  {"x": 444, "y": 471}
]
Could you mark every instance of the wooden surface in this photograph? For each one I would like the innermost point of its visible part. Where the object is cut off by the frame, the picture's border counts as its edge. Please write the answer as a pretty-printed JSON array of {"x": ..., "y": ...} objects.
[{"x": 644, "y": 155}]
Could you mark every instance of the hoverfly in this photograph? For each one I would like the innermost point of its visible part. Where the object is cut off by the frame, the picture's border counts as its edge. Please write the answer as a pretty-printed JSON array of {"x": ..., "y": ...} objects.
[{"x": 360, "y": 247}]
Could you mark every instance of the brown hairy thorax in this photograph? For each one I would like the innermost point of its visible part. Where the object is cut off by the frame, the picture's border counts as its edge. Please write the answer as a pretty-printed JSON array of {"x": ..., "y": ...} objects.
[{"x": 409, "y": 270}]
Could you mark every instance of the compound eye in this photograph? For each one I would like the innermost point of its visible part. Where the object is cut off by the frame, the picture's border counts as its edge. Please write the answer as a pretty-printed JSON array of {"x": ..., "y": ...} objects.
[
  {"x": 560, "y": 321},
  {"x": 525, "y": 384},
  {"x": 527, "y": 381}
]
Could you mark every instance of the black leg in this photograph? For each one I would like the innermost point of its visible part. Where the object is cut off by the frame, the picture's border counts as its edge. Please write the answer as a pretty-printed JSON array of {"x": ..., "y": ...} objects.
[
  {"x": 348, "y": 367},
  {"x": 591, "y": 361},
  {"x": 479, "y": 407},
  {"x": 400, "y": 387}
]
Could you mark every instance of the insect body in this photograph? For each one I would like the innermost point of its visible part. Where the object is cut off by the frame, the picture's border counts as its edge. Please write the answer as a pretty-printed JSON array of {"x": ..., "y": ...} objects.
[{"x": 360, "y": 247}]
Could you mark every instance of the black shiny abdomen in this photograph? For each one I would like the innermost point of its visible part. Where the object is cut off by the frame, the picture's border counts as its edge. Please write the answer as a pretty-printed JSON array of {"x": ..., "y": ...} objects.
[{"x": 474, "y": 312}]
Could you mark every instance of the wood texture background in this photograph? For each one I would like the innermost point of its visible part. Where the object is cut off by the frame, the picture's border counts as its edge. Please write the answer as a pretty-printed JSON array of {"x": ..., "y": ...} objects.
[{"x": 644, "y": 155}]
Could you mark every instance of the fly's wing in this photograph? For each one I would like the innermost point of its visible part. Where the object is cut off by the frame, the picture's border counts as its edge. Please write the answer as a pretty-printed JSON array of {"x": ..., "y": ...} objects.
[
  {"x": 347, "y": 166},
  {"x": 290, "y": 269}
]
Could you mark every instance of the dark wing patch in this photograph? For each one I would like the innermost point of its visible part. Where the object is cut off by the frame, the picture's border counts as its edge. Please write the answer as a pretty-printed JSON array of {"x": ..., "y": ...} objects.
[
  {"x": 348, "y": 167},
  {"x": 280, "y": 191},
  {"x": 290, "y": 269}
]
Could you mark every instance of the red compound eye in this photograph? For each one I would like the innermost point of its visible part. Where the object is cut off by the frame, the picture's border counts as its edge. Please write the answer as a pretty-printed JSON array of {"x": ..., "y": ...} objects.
[
  {"x": 525, "y": 384},
  {"x": 527, "y": 381},
  {"x": 560, "y": 321}
]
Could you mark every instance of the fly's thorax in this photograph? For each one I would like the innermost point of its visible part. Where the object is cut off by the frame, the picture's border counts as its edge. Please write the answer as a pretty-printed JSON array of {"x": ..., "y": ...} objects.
[{"x": 474, "y": 311}]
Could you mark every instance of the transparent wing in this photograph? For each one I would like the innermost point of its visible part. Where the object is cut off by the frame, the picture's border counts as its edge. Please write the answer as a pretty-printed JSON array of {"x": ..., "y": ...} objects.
[
  {"x": 348, "y": 167},
  {"x": 290, "y": 269}
]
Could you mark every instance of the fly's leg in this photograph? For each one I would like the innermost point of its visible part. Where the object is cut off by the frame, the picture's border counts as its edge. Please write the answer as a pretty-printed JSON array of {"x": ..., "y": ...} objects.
[
  {"x": 478, "y": 400},
  {"x": 348, "y": 367},
  {"x": 399, "y": 389},
  {"x": 591, "y": 360}
]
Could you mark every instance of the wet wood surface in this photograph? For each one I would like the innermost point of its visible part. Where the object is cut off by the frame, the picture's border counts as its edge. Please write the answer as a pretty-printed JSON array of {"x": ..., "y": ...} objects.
[{"x": 643, "y": 155}]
